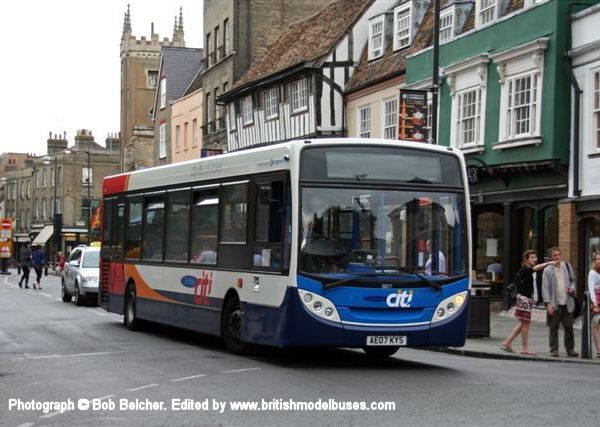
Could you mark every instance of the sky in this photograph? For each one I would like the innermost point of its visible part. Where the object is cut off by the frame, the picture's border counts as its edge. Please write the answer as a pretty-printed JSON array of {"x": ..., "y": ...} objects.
[{"x": 60, "y": 64}]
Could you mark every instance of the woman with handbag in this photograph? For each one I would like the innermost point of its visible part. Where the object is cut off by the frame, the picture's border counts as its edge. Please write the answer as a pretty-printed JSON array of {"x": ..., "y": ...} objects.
[
  {"x": 594, "y": 291},
  {"x": 524, "y": 282}
]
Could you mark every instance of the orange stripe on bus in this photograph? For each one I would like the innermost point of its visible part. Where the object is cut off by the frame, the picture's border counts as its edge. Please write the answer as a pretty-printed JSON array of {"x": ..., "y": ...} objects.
[{"x": 141, "y": 287}]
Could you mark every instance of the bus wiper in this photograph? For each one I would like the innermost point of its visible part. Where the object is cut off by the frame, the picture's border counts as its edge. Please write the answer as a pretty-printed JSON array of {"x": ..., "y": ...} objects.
[
  {"x": 417, "y": 180},
  {"x": 337, "y": 283},
  {"x": 430, "y": 282}
]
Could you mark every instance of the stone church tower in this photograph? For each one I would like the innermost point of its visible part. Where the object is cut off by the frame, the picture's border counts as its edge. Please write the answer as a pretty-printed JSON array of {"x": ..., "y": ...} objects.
[{"x": 139, "y": 77}]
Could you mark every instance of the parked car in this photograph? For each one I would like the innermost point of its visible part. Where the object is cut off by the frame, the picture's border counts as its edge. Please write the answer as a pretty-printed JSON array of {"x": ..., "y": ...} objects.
[{"x": 81, "y": 275}]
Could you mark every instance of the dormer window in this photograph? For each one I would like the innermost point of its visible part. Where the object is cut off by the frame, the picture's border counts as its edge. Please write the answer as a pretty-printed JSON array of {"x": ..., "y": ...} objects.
[
  {"x": 486, "y": 11},
  {"x": 376, "y": 37},
  {"x": 447, "y": 25},
  {"x": 402, "y": 25}
]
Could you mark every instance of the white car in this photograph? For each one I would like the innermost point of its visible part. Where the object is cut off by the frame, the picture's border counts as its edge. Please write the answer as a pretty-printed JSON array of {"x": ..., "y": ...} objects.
[{"x": 81, "y": 275}]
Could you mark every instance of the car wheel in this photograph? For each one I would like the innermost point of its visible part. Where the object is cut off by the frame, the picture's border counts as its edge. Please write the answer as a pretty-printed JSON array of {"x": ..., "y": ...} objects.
[
  {"x": 65, "y": 296},
  {"x": 232, "y": 327},
  {"x": 384, "y": 351},
  {"x": 77, "y": 299},
  {"x": 130, "y": 319}
]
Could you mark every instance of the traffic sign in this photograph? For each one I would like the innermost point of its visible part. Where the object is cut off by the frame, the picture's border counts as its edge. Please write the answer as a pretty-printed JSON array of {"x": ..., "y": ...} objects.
[{"x": 6, "y": 224}]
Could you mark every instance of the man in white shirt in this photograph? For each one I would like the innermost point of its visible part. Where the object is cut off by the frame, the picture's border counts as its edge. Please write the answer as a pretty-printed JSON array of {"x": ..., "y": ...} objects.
[
  {"x": 441, "y": 261},
  {"x": 558, "y": 293}
]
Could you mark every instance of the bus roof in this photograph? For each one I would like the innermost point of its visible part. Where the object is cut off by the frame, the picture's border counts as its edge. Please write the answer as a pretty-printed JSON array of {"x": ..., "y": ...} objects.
[{"x": 269, "y": 158}]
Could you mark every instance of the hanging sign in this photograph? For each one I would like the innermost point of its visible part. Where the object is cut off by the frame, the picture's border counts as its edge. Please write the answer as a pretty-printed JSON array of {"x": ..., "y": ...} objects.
[{"x": 412, "y": 123}]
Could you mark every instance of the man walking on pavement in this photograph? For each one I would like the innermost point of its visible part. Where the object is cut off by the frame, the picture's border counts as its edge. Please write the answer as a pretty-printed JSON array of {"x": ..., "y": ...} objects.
[{"x": 558, "y": 294}]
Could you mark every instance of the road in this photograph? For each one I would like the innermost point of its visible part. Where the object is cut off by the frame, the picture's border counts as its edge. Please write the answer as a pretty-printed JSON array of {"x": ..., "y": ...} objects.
[{"x": 51, "y": 351}]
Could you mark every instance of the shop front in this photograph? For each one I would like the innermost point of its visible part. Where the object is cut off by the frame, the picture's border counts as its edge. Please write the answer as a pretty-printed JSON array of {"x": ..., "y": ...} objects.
[{"x": 509, "y": 217}]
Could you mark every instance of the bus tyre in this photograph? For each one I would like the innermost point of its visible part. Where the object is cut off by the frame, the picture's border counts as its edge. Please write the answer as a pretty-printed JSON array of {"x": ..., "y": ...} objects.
[
  {"x": 377, "y": 352},
  {"x": 65, "y": 296},
  {"x": 77, "y": 298},
  {"x": 232, "y": 327},
  {"x": 130, "y": 319}
]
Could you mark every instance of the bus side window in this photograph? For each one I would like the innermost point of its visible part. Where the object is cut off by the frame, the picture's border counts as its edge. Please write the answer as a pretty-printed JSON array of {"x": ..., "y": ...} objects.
[
  {"x": 234, "y": 223},
  {"x": 154, "y": 220},
  {"x": 205, "y": 215},
  {"x": 107, "y": 225},
  {"x": 177, "y": 234},
  {"x": 133, "y": 228},
  {"x": 269, "y": 219}
]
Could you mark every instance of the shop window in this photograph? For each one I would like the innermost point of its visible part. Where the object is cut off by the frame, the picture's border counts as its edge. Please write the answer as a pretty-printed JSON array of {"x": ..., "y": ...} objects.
[
  {"x": 592, "y": 241},
  {"x": 550, "y": 228},
  {"x": 489, "y": 245}
]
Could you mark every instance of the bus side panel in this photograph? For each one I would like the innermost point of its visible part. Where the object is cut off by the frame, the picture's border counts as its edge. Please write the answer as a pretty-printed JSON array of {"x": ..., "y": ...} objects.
[
  {"x": 289, "y": 325},
  {"x": 116, "y": 288},
  {"x": 198, "y": 319}
]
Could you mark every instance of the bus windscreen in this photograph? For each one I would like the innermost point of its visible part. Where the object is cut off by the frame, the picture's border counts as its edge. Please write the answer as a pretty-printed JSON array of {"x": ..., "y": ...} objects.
[{"x": 380, "y": 164}]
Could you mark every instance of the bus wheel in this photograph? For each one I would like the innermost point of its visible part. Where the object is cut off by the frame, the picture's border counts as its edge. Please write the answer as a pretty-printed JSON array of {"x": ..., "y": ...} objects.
[
  {"x": 65, "y": 296},
  {"x": 232, "y": 327},
  {"x": 130, "y": 319},
  {"x": 384, "y": 351}
]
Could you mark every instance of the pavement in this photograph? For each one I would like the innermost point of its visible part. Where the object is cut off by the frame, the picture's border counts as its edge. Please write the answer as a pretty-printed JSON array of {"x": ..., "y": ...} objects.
[{"x": 501, "y": 325}]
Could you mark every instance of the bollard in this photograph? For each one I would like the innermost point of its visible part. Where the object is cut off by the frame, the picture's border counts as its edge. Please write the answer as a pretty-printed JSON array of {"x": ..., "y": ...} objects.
[{"x": 586, "y": 328}]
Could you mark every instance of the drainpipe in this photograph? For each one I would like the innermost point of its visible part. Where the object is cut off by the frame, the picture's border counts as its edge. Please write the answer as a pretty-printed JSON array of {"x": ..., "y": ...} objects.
[{"x": 576, "y": 101}]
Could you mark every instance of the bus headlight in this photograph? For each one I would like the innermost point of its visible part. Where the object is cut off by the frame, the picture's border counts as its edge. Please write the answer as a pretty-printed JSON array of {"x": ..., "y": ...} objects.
[
  {"x": 315, "y": 304},
  {"x": 449, "y": 306}
]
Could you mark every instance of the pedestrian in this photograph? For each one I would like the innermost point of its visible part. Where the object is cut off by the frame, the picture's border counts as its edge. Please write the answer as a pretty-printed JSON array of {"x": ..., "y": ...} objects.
[
  {"x": 525, "y": 286},
  {"x": 594, "y": 291},
  {"x": 39, "y": 260},
  {"x": 25, "y": 263},
  {"x": 558, "y": 294},
  {"x": 60, "y": 262}
]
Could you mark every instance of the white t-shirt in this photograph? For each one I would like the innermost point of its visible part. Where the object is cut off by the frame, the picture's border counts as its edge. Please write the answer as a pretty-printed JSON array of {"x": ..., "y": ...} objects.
[
  {"x": 441, "y": 261},
  {"x": 593, "y": 284}
]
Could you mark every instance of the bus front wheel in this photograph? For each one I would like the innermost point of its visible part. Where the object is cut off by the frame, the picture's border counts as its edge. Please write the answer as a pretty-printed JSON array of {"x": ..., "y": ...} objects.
[
  {"x": 384, "y": 351},
  {"x": 130, "y": 319},
  {"x": 232, "y": 327}
]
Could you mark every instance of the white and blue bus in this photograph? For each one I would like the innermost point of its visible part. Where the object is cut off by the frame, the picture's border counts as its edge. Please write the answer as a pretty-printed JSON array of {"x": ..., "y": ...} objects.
[{"x": 329, "y": 242}]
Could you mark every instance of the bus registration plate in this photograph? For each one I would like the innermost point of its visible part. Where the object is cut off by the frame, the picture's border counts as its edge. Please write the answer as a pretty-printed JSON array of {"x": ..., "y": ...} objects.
[{"x": 386, "y": 340}]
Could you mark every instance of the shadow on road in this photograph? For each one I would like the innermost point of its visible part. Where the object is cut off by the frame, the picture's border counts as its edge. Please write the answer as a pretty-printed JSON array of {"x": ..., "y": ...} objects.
[{"x": 317, "y": 357}]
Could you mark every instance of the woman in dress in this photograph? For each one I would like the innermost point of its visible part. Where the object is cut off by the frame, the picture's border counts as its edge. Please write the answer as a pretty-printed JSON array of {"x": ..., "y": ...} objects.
[
  {"x": 524, "y": 281},
  {"x": 594, "y": 291}
]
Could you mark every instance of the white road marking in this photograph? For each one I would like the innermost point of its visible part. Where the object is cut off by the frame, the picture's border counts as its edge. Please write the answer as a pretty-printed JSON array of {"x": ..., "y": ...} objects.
[
  {"x": 108, "y": 396},
  {"x": 188, "y": 378},
  {"x": 51, "y": 414},
  {"x": 235, "y": 371},
  {"x": 93, "y": 310},
  {"x": 45, "y": 294},
  {"x": 26, "y": 425},
  {"x": 143, "y": 387},
  {"x": 55, "y": 356},
  {"x": 58, "y": 299}
]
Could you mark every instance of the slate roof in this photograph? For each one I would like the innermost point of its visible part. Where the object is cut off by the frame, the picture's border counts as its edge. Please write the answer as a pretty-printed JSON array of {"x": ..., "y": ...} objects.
[
  {"x": 306, "y": 41},
  {"x": 196, "y": 83},
  {"x": 392, "y": 63},
  {"x": 180, "y": 65}
]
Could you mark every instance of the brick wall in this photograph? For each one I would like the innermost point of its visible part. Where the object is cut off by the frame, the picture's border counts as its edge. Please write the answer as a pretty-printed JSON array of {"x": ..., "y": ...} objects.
[{"x": 567, "y": 231}]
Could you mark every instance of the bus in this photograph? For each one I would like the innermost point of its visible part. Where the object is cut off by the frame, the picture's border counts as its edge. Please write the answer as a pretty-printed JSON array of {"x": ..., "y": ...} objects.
[{"x": 357, "y": 243}]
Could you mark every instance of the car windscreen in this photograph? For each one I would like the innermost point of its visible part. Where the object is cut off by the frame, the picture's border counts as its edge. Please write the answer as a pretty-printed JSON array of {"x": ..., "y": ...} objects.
[{"x": 91, "y": 259}]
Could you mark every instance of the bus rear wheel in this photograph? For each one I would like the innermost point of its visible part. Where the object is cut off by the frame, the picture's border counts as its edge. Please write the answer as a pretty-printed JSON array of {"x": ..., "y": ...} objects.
[
  {"x": 232, "y": 327},
  {"x": 376, "y": 352},
  {"x": 130, "y": 319}
]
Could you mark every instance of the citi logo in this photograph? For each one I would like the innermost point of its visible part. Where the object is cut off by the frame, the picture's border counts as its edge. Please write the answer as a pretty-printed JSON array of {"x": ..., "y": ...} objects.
[{"x": 400, "y": 299}]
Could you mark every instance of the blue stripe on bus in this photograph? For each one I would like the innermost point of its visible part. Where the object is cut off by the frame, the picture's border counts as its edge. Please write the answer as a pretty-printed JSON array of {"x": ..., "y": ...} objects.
[
  {"x": 292, "y": 325},
  {"x": 368, "y": 305}
]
